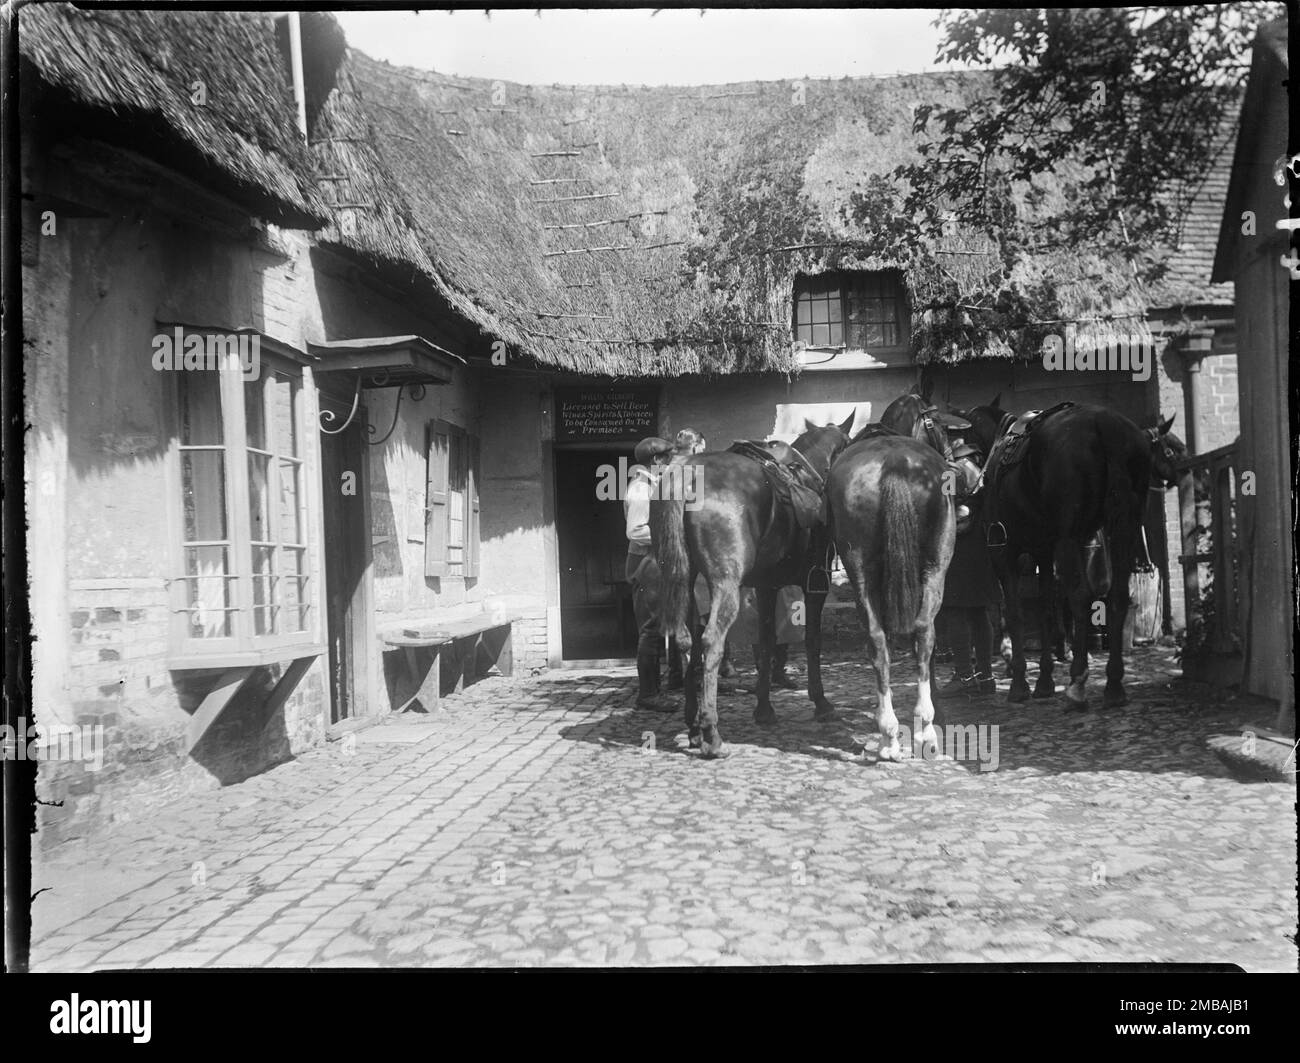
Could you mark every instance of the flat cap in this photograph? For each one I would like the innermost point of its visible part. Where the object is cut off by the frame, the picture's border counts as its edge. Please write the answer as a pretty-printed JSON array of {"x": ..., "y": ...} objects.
[{"x": 650, "y": 448}]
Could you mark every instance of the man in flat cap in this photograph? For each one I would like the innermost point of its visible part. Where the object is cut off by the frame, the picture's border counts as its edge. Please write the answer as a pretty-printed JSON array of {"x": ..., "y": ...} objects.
[{"x": 642, "y": 570}]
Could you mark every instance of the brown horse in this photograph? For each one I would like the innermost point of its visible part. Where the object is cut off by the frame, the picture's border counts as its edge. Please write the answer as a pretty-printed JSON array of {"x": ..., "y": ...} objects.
[
  {"x": 736, "y": 533},
  {"x": 1073, "y": 501},
  {"x": 894, "y": 526}
]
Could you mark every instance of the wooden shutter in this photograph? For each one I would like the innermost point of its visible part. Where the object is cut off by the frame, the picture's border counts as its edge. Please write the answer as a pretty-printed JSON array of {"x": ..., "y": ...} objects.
[
  {"x": 471, "y": 507},
  {"x": 435, "y": 509}
]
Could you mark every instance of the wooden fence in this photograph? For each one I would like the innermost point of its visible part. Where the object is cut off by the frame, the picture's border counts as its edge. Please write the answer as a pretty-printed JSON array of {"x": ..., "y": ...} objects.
[{"x": 1211, "y": 556}]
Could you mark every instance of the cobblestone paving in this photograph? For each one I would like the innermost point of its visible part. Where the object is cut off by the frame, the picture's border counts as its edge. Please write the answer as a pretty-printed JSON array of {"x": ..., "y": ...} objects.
[{"x": 532, "y": 824}]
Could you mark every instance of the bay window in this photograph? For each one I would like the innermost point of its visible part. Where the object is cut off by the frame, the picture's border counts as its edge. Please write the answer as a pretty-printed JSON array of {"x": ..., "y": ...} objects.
[{"x": 245, "y": 589}]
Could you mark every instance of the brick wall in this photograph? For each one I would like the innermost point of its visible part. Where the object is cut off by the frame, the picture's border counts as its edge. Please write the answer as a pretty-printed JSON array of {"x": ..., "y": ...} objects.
[
  {"x": 528, "y": 638},
  {"x": 1219, "y": 418}
]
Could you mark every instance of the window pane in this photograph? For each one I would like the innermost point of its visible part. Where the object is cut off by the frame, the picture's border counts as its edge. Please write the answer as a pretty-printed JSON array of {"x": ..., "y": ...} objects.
[
  {"x": 255, "y": 413},
  {"x": 259, "y": 497},
  {"x": 263, "y": 590},
  {"x": 836, "y": 334},
  {"x": 293, "y": 590},
  {"x": 200, "y": 409},
  {"x": 208, "y": 595},
  {"x": 203, "y": 483},
  {"x": 283, "y": 392},
  {"x": 290, "y": 511},
  {"x": 804, "y": 332},
  {"x": 821, "y": 335}
]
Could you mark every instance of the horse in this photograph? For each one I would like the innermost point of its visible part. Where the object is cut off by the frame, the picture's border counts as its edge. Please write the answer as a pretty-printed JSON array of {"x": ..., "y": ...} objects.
[
  {"x": 737, "y": 533},
  {"x": 916, "y": 416},
  {"x": 894, "y": 525},
  {"x": 1074, "y": 502}
]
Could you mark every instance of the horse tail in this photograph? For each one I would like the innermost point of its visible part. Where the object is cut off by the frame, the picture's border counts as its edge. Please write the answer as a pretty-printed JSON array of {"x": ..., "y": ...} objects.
[
  {"x": 668, "y": 533},
  {"x": 902, "y": 558}
]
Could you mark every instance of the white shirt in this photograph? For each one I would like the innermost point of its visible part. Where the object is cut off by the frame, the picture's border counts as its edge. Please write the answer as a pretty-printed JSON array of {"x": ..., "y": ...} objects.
[{"x": 636, "y": 509}]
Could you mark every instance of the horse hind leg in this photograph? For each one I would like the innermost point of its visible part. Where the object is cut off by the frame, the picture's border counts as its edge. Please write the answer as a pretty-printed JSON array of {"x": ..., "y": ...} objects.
[
  {"x": 725, "y": 606},
  {"x": 1116, "y": 615},
  {"x": 765, "y": 601},
  {"x": 813, "y": 604},
  {"x": 1007, "y": 565},
  {"x": 689, "y": 641},
  {"x": 878, "y": 652},
  {"x": 1074, "y": 578},
  {"x": 1048, "y": 625},
  {"x": 925, "y": 739}
]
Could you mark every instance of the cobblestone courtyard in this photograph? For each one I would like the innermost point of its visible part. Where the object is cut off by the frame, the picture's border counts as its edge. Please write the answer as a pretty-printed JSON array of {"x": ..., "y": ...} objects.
[{"x": 531, "y": 823}]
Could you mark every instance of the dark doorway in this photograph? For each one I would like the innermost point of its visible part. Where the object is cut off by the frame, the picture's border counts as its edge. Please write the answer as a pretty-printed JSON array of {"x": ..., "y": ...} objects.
[
  {"x": 596, "y": 621},
  {"x": 343, "y": 457}
]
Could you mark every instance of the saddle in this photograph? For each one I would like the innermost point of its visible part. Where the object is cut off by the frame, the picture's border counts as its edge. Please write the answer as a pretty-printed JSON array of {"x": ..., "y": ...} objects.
[
  {"x": 1008, "y": 452},
  {"x": 785, "y": 471},
  {"x": 1010, "y": 449}
]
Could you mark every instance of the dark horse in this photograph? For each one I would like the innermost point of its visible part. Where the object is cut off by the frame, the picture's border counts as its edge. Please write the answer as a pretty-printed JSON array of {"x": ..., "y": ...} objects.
[
  {"x": 894, "y": 526},
  {"x": 735, "y": 532},
  {"x": 1073, "y": 501}
]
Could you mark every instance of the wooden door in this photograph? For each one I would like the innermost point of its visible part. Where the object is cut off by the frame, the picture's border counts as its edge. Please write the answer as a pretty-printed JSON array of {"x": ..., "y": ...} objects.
[
  {"x": 596, "y": 620},
  {"x": 343, "y": 479}
]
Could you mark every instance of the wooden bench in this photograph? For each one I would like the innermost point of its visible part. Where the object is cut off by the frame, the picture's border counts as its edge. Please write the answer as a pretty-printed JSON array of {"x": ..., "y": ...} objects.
[{"x": 486, "y": 635}]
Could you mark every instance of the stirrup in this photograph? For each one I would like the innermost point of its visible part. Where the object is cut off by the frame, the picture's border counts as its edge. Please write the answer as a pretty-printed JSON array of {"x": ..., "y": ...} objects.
[{"x": 823, "y": 585}]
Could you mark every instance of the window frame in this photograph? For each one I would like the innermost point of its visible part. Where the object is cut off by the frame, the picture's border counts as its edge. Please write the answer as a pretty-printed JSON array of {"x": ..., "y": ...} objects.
[
  {"x": 242, "y": 646},
  {"x": 842, "y": 276},
  {"x": 437, "y": 508}
]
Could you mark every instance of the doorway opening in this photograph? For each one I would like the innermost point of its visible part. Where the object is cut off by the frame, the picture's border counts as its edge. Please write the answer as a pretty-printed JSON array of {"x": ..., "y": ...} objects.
[
  {"x": 347, "y": 559},
  {"x": 596, "y": 621}
]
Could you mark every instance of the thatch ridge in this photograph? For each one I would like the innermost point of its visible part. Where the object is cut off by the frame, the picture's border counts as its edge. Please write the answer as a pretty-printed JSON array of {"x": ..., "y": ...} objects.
[
  {"x": 716, "y": 198},
  {"x": 132, "y": 73}
]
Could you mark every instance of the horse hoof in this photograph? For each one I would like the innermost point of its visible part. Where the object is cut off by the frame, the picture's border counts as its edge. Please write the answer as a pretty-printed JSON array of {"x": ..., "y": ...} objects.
[
  {"x": 765, "y": 717},
  {"x": 1019, "y": 691},
  {"x": 825, "y": 715},
  {"x": 890, "y": 755},
  {"x": 694, "y": 742},
  {"x": 1043, "y": 691},
  {"x": 1113, "y": 698},
  {"x": 718, "y": 752}
]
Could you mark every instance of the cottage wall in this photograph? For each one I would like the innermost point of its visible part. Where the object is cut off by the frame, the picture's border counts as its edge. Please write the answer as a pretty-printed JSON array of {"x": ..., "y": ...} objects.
[{"x": 98, "y": 483}]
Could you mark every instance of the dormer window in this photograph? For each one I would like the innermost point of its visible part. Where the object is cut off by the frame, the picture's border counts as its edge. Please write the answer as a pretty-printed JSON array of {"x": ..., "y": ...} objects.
[{"x": 854, "y": 309}]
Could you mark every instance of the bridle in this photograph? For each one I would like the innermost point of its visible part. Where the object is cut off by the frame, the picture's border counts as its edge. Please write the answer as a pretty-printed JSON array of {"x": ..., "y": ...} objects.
[
  {"x": 1162, "y": 485},
  {"x": 818, "y": 477}
]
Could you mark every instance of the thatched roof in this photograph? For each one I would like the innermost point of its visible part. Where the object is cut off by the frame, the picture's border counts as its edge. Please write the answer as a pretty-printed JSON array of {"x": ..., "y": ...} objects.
[
  {"x": 712, "y": 201},
  {"x": 128, "y": 77}
]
